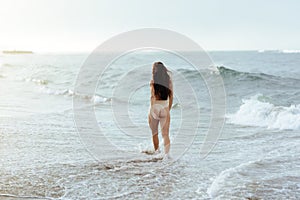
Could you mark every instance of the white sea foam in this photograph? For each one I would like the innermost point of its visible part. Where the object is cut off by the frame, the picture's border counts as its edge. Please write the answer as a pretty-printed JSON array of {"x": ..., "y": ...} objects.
[
  {"x": 37, "y": 81},
  {"x": 254, "y": 112},
  {"x": 290, "y": 51},
  {"x": 258, "y": 178},
  {"x": 96, "y": 99},
  {"x": 228, "y": 178},
  {"x": 279, "y": 51},
  {"x": 269, "y": 51}
]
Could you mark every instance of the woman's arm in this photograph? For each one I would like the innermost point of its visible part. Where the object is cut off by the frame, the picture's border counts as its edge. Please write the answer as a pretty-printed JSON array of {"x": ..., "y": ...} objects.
[
  {"x": 171, "y": 94},
  {"x": 151, "y": 92}
]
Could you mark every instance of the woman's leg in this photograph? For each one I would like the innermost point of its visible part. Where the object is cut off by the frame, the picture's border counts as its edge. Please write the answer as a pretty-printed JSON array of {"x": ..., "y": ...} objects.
[
  {"x": 165, "y": 125},
  {"x": 153, "y": 123}
]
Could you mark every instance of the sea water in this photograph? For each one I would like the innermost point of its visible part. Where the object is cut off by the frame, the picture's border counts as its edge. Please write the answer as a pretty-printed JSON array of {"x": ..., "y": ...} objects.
[{"x": 256, "y": 157}]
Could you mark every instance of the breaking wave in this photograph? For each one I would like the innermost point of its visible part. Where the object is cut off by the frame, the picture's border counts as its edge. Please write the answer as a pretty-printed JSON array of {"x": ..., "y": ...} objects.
[
  {"x": 96, "y": 99},
  {"x": 257, "y": 111}
]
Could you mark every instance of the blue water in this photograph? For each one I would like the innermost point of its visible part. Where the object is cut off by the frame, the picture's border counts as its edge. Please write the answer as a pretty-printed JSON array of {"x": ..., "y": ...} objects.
[{"x": 43, "y": 156}]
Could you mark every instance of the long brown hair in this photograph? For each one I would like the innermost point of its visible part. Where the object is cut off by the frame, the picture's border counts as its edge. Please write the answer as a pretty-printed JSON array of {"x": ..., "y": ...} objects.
[{"x": 161, "y": 80}]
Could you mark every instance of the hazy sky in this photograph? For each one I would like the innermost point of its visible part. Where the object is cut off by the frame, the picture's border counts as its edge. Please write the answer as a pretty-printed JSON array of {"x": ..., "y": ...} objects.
[{"x": 73, "y": 25}]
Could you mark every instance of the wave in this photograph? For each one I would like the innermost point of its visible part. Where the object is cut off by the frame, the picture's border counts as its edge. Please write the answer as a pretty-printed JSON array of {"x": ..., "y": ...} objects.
[
  {"x": 269, "y": 51},
  {"x": 37, "y": 81},
  {"x": 257, "y": 111},
  {"x": 227, "y": 73},
  {"x": 259, "y": 178},
  {"x": 230, "y": 73},
  {"x": 290, "y": 51},
  {"x": 262, "y": 176},
  {"x": 279, "y": 51},
  {"x": 33, "y": 80},
  {"x": 218, "y": 185},
  {"x": 96, "y": 99}
]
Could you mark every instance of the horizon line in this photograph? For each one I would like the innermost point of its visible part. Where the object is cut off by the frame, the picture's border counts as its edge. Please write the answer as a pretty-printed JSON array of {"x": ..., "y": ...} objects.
[{"x": 208, "y": 50}]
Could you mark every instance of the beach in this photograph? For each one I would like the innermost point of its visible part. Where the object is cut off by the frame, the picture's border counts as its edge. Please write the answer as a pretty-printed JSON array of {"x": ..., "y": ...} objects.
[{"x": 256, "y": 156}]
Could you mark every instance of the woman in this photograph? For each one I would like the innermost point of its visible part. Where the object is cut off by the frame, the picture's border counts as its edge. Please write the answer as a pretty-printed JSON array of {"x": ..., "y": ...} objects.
[{"x": 161, "y": 104}]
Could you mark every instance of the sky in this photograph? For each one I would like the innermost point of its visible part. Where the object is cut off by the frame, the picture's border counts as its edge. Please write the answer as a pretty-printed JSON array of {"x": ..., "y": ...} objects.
[{"x": 82, "y": 25}]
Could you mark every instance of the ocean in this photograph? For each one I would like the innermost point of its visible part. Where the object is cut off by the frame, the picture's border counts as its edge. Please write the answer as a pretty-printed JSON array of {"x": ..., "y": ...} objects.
[{"x": 44, "y": 154}]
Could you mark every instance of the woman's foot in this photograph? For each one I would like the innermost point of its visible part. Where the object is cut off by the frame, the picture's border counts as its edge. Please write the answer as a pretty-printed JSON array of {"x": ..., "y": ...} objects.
[
  {"x": 157, "y": 152},
  {"x": 167, "y": 156}
]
